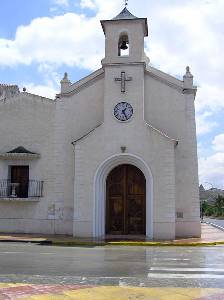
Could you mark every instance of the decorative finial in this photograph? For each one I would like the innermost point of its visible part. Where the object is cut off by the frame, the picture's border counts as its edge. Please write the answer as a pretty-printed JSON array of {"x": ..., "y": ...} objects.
[
  {"x": 188, "y": 72},
  {"x": 188, "y": 78},
  {"x": 125, "y": 3},
  {"x": 65, "y": 83},
  {"x": 24, "y": 89},
  {"x": 65, "y": 76}
]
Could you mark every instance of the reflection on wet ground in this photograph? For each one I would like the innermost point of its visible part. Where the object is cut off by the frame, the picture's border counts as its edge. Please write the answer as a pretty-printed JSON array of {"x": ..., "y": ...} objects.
[{"x": 122, "y": 266}]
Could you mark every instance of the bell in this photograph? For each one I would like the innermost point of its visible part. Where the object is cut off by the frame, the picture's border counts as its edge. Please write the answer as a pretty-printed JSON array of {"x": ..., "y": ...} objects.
[{"x": 124, "y": 45}]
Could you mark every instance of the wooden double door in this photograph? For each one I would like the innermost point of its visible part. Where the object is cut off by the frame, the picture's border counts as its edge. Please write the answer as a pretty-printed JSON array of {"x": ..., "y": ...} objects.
[{"x": 126, "y": 201}]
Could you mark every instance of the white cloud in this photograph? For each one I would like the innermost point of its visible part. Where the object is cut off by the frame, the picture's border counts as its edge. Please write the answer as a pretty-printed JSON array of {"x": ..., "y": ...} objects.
[
  {"x": 49, "y": 74},
  {"x": 59, "y": 40},
  {"x": 51, "y": 85},
  {"x": 47, "y": 90},
  {"x": 71, "y": 39},
  {"x": 218, "y": 143},
  {"x": 211, "y": 168},
  {"x": 61, "y": 2},
  {"x": 204, "y": 124},
  {"x": 189, "y": 33},
  {"x": 88, "y": 4},
  {"x": 209, "y": 97}
]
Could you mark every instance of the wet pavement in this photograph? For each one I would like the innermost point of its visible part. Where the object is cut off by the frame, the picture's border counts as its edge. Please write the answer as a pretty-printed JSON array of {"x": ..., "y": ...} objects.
[
  {"x": 113, "y": 266},
  {"x": 35, "y": 272}
]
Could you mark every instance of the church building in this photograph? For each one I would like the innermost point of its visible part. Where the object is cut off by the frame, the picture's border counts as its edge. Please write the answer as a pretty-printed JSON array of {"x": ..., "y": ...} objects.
[{"x": 114, "y": 154}]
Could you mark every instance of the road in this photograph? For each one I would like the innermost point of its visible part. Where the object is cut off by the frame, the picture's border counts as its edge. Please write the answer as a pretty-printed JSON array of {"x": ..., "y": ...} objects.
[
  {"x": 135, "y": 266},
  {"x": 215, "y": 221}
]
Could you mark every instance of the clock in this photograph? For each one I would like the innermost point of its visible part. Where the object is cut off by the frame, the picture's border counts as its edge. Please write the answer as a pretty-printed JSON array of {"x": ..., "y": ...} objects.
[{"x": 123, "y": 111}]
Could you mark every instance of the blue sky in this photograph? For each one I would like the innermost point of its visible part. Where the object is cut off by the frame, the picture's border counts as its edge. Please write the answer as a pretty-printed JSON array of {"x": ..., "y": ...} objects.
[{"x": 41, "y": 39}]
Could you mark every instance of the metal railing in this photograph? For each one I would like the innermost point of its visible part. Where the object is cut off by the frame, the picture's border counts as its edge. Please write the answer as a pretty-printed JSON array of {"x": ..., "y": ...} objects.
[{"x": 30, "y": 188}]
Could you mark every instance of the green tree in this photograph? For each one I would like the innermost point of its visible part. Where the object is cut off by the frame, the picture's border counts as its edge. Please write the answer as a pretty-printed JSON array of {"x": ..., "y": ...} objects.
[
  {"x": 219, "y": 205},
  {"x": 210, "y": 211}
]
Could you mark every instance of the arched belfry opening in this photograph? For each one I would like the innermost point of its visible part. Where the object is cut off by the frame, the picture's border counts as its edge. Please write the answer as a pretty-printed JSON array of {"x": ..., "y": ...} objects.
[
  {"x": 126, "y": 201},
  {"x": 123, "y": 45}
]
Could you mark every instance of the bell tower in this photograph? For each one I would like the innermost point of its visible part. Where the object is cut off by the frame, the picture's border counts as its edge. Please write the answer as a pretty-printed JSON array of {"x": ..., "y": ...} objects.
[
  {"x": 124, "y": 66},
  {"x": 124, "y": 38}
]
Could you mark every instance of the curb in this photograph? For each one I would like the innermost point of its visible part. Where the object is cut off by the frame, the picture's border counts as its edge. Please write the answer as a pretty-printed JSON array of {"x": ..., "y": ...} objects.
[
  {"x": 121, "y": 243},
  {"x": 101, "y": 244},
  {"x": 25, "y": 241},
  {"x": 144, "y": 244}
]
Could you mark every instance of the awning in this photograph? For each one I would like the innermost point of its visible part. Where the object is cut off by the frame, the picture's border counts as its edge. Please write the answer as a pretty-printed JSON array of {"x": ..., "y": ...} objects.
[{"x": 19, "y": 153}]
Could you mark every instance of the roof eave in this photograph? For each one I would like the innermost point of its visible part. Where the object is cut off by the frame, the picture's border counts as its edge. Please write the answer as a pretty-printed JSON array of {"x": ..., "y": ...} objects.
[
  {"x": 19, "y": 156},
  {"x": 120, "y": 20},
  {"x": 76, "y": 86}
]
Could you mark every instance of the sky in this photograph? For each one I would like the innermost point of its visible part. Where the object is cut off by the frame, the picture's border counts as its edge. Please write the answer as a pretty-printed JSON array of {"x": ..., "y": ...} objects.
[{"x": 41, "y": 39}]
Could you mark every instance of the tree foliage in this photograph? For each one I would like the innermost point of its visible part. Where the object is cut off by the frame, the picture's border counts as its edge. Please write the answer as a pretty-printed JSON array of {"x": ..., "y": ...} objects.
[{"x": 213, "y": 210}]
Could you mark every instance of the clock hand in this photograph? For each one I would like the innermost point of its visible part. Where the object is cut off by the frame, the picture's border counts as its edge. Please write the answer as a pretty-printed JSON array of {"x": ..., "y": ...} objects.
[{"x": 123, "y": 112}]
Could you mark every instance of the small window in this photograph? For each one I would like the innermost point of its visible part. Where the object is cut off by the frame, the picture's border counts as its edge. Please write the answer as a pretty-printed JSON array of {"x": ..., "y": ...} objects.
[{"x": 123, "y": 45}]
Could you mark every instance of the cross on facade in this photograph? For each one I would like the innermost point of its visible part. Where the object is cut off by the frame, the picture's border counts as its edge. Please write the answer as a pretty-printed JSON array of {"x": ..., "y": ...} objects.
[
  {"x": 123, "y": 79},
  {"x": 125, "y": 2}
]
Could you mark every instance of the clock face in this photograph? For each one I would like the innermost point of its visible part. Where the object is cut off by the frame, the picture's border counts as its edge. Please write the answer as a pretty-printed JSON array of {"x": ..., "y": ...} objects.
[{"x": 123, "y": 111}]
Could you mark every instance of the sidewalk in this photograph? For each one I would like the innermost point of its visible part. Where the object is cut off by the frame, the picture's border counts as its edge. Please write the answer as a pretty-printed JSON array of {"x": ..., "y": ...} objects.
[
  {"x": 66, "y": 292},
  {"x": 210, "y": 236}
]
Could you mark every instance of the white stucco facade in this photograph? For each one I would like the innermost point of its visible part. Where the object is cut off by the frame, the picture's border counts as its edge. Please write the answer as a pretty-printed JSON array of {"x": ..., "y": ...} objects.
[{"x": 77, "y": 142}]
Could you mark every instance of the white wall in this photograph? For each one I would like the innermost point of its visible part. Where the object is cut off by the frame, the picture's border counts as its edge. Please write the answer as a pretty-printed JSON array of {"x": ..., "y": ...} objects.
[
  {"x": 140, "y": 141},
  {"x": 27, "y": 120},
  {"x": 75, "y": 116},
  {"x": 172, "y": 111}
]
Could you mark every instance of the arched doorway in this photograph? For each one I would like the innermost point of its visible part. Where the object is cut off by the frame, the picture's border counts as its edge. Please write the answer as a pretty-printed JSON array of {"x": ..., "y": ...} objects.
[
  {"x": 126, "y": 201},
  {"x": 99, "y": 191}
]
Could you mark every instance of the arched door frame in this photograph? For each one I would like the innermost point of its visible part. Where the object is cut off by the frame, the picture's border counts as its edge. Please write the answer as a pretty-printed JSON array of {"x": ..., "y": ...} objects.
[{"x": 99, "y": 207}]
